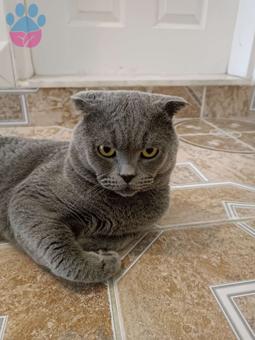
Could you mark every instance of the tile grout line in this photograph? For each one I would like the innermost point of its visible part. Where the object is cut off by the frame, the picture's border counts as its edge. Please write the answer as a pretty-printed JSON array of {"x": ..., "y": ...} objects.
[
  {"x": 244, "y": 294},
  {"x": 119, "y": 312},
  {"x": 160, "y": 232},
  {"x": 25, "y": 109},
  {"x": 134, "y": 245},
  {"x": 211, "y": 184},
  {"x": 232, "y": 283},
  {"x": 198, "y": 224},
  {"x": 202, "y": 109},
  {"x": 111, "y": 310},
  {"x": 116, "y": 315},
  {"x": 199, "y": 173},
  {"x": 252, "y": 103},
  {"x": 115, "y": 320}
]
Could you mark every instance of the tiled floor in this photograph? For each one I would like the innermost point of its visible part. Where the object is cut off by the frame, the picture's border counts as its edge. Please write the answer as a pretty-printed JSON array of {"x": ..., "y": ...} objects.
[
  {"x": 219, "y": 134},
  {"x": 192, "y": 277},
  {"x": 10, "y": 107}
]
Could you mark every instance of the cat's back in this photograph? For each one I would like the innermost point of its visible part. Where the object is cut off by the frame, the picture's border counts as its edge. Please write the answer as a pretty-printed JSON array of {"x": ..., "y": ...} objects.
[{"x": 20, "y": 156}]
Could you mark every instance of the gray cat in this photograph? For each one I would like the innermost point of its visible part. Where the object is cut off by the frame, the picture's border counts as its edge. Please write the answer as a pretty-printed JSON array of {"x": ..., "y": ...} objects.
[{"x": 70, "y": 206}]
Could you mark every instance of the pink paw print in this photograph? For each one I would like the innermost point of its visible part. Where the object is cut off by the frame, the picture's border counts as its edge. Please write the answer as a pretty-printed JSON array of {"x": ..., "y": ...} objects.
[{"x": 26, "y": 32}]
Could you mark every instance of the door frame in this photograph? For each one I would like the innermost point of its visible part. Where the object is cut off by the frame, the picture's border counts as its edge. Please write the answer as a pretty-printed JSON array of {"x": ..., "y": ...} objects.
[
  {"x": 21, "y": 57},
  {"x": 242, "y": 57},
  {"x": 7, "y": 78},
  {"x": 240, "y": 69}
]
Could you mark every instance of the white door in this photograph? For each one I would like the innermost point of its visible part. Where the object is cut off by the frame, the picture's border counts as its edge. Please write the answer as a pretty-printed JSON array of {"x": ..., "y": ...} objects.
[{"x": 133, "y": 37}]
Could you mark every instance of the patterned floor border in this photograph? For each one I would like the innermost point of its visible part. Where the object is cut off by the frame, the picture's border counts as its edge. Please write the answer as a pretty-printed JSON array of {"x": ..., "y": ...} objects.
[
  {"x": 194, "y": 169},
  {"x": 231, "y": 135},
  {"x": 225, "y": 295},
  {"x": 218, "y": 131}
]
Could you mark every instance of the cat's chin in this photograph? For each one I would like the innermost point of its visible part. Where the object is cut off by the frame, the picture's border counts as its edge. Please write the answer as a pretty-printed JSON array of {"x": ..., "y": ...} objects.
[{"x": 126, "y": 193}]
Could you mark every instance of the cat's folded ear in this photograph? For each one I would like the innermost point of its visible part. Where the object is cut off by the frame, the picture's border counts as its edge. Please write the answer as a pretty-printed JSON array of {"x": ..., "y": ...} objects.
[
  {"x": 169, "y": 104},
  {"x": 88, "y": 101}
]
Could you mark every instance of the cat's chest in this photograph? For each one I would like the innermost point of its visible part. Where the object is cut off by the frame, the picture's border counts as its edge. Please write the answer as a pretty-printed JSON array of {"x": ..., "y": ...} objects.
[{"x": 113, "y": 215}]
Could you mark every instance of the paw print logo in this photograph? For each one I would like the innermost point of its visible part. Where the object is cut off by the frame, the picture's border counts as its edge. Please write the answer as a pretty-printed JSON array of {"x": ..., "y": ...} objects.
[{"x": 26, "y": 29}]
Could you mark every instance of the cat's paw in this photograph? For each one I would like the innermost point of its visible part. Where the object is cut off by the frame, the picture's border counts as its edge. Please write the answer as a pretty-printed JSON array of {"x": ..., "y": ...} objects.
[
  {"x": 92, "y": 267},
  {"x": 110, "y": 265}
]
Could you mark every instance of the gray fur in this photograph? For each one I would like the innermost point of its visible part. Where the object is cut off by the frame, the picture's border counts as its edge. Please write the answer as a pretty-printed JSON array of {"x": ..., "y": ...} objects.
[{"x": 67, "y": 207}]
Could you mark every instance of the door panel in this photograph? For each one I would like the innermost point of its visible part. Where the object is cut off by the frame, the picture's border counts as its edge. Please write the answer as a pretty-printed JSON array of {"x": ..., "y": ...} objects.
[
  {"x": 134, "y": 37},
  {"x": 182, "y": 14}
]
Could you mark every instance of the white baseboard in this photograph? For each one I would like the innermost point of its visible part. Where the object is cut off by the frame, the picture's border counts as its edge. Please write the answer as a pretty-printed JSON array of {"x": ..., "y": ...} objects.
[{"x": 105, "y": 81}]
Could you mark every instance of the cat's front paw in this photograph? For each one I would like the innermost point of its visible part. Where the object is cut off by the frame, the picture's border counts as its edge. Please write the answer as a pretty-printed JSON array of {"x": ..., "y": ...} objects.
[
  {"x": 92, "y": 267},
  {"x": 110, "y": 265}
]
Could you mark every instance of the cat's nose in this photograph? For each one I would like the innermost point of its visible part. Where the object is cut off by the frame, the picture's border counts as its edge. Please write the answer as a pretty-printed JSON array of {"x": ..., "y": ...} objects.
[{"x": 127, "y": 178}]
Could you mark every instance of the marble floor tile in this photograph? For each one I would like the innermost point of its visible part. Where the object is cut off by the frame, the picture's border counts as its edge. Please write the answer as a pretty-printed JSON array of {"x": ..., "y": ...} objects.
[
  {"x": 219, "y": 166},
  {"x": 53, "y": 106},
  {"x": 10, "y": 108},
  {"x": 37, "y": 132},
  {"x": 39, "y": 306},
  {"x": 166, "y": 294},
  {"x": 228, "y": 101},
  {"x": 218, "y": 143},
  {"x": 205, "y": 203}
]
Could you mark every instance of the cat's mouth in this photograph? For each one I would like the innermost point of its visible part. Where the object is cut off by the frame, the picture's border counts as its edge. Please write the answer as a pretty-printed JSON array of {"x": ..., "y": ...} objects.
[{"x": 126, "y": 192}]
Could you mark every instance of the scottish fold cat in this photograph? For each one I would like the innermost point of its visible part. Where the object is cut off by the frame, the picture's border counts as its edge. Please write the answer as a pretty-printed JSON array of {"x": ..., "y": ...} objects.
[{"x": 72, "y": 206}]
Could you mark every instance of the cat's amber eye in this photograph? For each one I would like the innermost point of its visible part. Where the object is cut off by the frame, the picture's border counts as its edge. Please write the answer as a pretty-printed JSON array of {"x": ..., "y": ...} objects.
[
  {"x": 149, "y": 153},
  {"x": 106, "y": 151}
]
